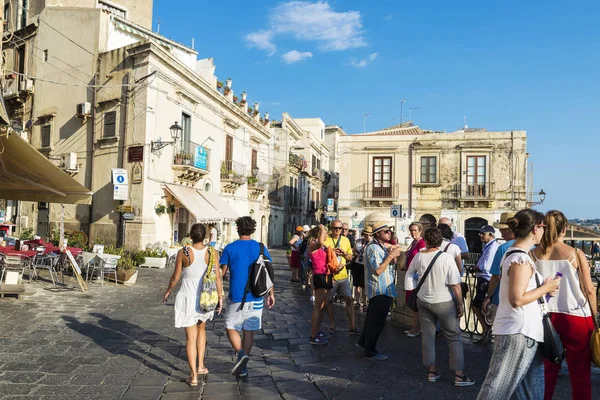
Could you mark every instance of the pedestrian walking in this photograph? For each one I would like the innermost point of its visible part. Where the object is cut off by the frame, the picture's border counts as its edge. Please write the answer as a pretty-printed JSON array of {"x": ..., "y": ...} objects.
[
  {"x": 238, "y": 256},
  {"x": 213, "y": 235},
  {"x": 487, "y": 234},
  {"x": 450, "y": 248},
  {"x": 193, "y": 263},
  {"x": 439, "y": 300},
  {"x": 516, "y": 365},
  {"x": 570, "y": 312},
  {"x": 296, "y": 262},
  {"x": 341, "y": 283},
  {"x": 322, "y": 282},
  {"x": 381, "y": 289},
  {"x": 417, "y": 244},
  {"x": 358, "y": 269}
]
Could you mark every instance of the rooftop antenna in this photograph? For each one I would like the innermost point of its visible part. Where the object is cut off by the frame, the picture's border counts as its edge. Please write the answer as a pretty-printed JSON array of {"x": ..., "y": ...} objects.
[
  {"x": 410, "y": 112},
  {"x": 401, "y": 103},
  {"x": 193, "y": 43},
  {"x": 393, "y": 119},
  {"x": 465, "y": 120},
  {"x": 365, "y": 121},
  {"x": 158, "y": 26}
]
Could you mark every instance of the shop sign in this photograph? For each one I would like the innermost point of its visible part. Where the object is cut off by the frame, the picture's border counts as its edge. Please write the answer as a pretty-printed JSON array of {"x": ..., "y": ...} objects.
[
  {"x": 200, "y": 158},
  {"x": 135, "y": 154}
]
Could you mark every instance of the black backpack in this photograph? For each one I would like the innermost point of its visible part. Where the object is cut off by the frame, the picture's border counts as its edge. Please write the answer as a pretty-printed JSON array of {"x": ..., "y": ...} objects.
[
  {"x": 260, "y": 277},
  {"x": 303, "y": 246}
]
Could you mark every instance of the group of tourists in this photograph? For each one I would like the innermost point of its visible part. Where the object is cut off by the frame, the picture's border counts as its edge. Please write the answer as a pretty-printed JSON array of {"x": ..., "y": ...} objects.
[{"x": 530, "y": 273}]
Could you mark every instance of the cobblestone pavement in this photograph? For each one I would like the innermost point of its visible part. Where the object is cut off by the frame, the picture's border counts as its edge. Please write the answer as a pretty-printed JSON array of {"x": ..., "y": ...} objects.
[{"x": 120, "y": 343}]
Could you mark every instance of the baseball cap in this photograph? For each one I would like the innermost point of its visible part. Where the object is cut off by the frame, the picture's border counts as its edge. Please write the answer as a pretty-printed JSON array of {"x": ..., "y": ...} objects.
[
  {"x": 306, "y": 228},
  {"x": 487, "y": 229}
]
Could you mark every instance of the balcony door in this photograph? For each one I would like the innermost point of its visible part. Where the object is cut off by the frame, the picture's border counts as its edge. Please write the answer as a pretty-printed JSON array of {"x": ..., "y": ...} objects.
[
  {"x": 186, "y": 133},
  {"x": 382, "y": 177},
  {"x": 476, "y": 172}
]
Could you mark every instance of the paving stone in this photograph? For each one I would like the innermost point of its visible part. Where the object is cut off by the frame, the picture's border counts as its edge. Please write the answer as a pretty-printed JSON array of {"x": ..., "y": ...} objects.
[
  {"x": 221, "y": 391},
  {"x": 16, "y": 388},
  {"x": 142, "y": 393},
  {"x": 21, "y": 377},
  {"x": 58, "y": 368},
  {"x": 182, "y": 396},
  {"x": 21, "y": 366},
  {"x": 299, "y": 390},
  {"x": 149, "y": 380}
]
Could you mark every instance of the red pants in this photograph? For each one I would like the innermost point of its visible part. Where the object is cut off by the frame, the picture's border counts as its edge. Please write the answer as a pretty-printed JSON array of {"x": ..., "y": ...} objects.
[{"x": 575, "y": 333}]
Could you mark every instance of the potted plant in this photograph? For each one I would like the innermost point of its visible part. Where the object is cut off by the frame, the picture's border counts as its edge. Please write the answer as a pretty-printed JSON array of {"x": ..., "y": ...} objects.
[
  {"x": 154, "y": 258},
  {"x": 252, "y": 180},
  {"x": 171, "y": 208},
  {"x": 235, "y": 99},
  {"x": 244, "y": 96},
  {"x": 288, "y": 254},
  {"x": 160, "y": 209},
  {"x": 219, "y": 84},
  {"x": 126, "y": 270},
  {"x": 226, "y": 90}
]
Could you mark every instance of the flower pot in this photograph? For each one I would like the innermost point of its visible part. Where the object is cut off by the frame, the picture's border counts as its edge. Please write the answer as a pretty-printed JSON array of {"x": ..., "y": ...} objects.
[
  {"x": 127, "y": 277},
  {"x": 154, "y": 262}
]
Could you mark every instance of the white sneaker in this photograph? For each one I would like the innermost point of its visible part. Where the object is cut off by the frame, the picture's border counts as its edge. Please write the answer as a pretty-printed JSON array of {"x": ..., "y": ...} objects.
[{"x": 312, "y": 299}]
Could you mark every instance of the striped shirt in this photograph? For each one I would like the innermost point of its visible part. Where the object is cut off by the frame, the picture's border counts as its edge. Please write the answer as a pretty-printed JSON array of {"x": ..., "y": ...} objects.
[{"x": 383, "y": 284}]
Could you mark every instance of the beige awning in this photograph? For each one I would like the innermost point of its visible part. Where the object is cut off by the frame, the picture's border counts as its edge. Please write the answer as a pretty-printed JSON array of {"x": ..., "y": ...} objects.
[
  {"x": 26, "y": 174},
  {"x": 190, "y": 198},
  {"x": 217, "y": 201}
]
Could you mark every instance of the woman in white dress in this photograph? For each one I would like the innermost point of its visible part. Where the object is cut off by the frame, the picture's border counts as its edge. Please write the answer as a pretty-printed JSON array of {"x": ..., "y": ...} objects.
[{"x": 193, "y": 262}]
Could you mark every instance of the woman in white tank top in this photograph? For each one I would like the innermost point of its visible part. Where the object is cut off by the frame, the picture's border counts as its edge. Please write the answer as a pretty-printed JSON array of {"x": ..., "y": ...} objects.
[
  {"x": 570, "y": 312},
  {"x": 192, "y": 263}
]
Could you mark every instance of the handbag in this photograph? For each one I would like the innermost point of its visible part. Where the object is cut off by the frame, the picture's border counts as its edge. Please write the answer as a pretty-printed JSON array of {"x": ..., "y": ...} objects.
[
  {"x": 209, "y": 298},
  {"x": 552, "y": 348},
  {"x": 595, "y": 338},
  {"x": 333, "y": 264},
  {"x": 412, "y": 299}
]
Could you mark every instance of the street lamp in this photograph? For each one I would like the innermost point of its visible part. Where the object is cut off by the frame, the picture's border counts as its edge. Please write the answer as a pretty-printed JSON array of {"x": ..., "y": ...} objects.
[
  {"x": 542, "y": 196},
  {"x": 159, "y": 144}
]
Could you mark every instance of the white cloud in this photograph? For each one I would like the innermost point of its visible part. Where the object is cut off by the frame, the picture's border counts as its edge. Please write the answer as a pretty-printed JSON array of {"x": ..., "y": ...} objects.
[
  {"x": 262, "y": 40},
  {"x": 276, "y": 103},
  {"x": 316, "y": 22},
  {"x": 294, "y": 56},
  {"x": 388, "y": 17},
  {"x": 364, "y": 62}
]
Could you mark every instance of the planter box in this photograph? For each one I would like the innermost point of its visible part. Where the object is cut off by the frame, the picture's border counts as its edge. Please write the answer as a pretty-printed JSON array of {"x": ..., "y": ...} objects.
[
  {"x": 127, "y": 278},
  {"x": 154, "y": 262}
]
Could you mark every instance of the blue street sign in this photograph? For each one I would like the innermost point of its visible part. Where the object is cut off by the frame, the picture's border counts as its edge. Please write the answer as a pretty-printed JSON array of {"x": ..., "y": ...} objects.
[{"x": 200, "y": 158}]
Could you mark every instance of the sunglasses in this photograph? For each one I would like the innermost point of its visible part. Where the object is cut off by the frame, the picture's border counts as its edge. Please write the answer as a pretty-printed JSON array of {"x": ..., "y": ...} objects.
[
  {"x": 337, "y": 228},
  {"x": 388, "y": 231}
]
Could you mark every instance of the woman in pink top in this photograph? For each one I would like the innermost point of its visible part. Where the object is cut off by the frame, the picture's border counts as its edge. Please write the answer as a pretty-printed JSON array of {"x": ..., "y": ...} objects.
[
  {"x": 321, "y": 281},
  {"x": 570, "y": 312},
  {"x": 416, "y": 230}
]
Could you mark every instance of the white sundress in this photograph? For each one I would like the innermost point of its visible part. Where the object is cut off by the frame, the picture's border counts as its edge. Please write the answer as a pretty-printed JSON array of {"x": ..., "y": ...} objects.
[{"x": 187, "y": 308}]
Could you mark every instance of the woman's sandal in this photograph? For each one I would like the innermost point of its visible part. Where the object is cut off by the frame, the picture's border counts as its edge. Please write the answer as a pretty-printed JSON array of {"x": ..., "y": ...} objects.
[
  {"x": 202, "y": 371},
  {"x": 464, "y": 381},
  {"x": 190, "y": 382},
  {"x": 433, "y": 376}
]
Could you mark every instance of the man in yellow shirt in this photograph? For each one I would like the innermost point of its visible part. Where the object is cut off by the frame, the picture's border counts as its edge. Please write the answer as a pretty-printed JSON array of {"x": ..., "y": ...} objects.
[{"x": 341, "y": 283}]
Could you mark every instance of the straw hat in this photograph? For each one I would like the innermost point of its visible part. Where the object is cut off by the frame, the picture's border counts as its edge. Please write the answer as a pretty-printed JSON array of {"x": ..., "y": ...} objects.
[
  {"x": 504, "y": 217},
  {"x": 379, "y": 226},
  {"x": 368, "y": 230}
]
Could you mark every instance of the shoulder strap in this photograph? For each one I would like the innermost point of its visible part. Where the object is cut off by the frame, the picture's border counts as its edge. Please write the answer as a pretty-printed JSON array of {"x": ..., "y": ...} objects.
[
  {"x": 446, "y": 248},
  {"x": 337, "y": 245},
  {"x": 540, "y": 301},
  {"x": 247, "y": 288},
  {"x": 427, "y": 272},
  {"x": 514, "y": 252}
]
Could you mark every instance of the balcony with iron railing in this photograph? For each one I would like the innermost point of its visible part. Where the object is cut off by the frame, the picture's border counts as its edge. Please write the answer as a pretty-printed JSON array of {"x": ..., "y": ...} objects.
[
  {"x": 233, "y": 172},
  {"x": 459, "y": 191},
  {"x": 296, "y": 161},
  {"x": 191, "y": 162},
  {"x": 371, "y": 192}
]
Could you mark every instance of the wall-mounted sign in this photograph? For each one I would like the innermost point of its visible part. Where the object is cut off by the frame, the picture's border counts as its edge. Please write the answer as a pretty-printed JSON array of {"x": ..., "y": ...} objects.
[
  {"x": 135, "y": 154},
  {"x": 123, "y": 208},
  {"x": 137, "y": 174},
  {"x": 396, "y": 211},
  {"x": 200, "y": 158},
  {"x": 128, "y": 216}
]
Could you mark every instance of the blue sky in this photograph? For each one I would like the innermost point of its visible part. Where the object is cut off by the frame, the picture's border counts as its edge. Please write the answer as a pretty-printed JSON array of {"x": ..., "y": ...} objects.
[{"x": 507, "y": 65}]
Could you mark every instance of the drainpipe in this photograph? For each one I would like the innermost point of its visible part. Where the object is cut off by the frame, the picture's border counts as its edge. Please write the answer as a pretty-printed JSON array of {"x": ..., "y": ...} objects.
[
  {"x": 410, "y": 176},
  {"x": 121, "y": 237},
  {"x": 93, "y": 156}
]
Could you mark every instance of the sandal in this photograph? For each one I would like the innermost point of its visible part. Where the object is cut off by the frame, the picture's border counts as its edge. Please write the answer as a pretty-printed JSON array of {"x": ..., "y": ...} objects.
[
  {"x": 332, "y": 329},
  {"x": 190, "y": 382},
  {"x": 433, "y": 376},
  {"x": 202, "y": 371},
  {"x": 464, "y": 380}
]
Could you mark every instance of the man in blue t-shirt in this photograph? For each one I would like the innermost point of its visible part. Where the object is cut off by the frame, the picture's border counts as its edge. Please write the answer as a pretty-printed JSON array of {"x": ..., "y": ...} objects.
[
  {"x": 238, "y": 257},
  {"x": 492, "y": 295}
]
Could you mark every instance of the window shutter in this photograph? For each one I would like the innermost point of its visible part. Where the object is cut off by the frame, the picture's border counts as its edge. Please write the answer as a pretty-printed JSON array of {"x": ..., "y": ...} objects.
[
  {"x": 110, "y": 124},
  {"x": 46, "y": 136}
]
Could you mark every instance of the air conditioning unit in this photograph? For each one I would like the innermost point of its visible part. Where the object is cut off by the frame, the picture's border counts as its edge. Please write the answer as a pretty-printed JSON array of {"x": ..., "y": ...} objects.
[
  {"x": 84, "y": 109},
  {"x": 26, "y": 85},
  {"x": 68, "y": 162}
]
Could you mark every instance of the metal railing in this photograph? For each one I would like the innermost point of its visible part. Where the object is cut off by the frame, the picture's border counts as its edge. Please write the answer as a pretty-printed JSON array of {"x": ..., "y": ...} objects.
[
  {"x": 296, "y": 161},
  {"x": 469, "y": 322},
  {"x": 233, "y": 171},
  {"x": 368, "y": 191},
  {"x": 193, "y": 155},
  {"x": 11, "y": 87},
  {"x": 258, "y": 180},
  {"x": 467, "y": 192}
]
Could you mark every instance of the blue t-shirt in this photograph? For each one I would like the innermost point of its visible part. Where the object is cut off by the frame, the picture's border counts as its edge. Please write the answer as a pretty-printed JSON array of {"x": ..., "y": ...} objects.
[
  {"x": 495, "y": 268},
  {"x": 239, "y": 256}
]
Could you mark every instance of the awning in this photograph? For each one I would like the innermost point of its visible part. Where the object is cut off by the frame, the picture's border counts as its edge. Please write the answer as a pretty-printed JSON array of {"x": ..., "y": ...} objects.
[
  {"x": 26, "y": 174},
  {"x": 201, "y": 209},
  {"x": 225, "y": 209}
]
